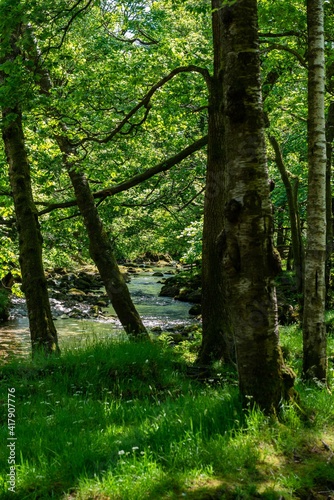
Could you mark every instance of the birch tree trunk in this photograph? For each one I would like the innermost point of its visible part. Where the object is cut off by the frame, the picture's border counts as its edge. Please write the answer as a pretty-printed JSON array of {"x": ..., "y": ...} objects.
[
  {"x": 314, "y": 331},
  {"x": 217, "y": 340},
  {"x": 249, "y": 259}
]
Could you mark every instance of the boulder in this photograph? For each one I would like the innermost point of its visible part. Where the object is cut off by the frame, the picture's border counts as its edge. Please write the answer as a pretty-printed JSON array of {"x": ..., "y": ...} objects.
[
  {"x": 169, "y": 290},
  {"x": 183, "y": 288},
  {"x": 195, "y": 310},
  {"x": 186, "y": 295}
]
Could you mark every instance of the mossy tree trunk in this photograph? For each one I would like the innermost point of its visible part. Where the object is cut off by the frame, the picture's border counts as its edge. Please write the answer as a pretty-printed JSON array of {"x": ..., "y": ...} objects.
[
  {"x": 101, "y": 251},
  {"x": 217, "y": 341},
  {"x": 314, "y": 330},
  {"x": 249, "y": 259},
  {"x": 42, "y": 329},
  {"x": 100, "y": 248},
  {"x": 6, "y": 284},
  {"x": 329, "y": 199}
]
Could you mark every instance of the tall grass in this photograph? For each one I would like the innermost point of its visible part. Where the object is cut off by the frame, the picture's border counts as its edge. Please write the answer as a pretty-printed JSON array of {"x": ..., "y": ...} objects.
[{"x": 124, "y": 421}]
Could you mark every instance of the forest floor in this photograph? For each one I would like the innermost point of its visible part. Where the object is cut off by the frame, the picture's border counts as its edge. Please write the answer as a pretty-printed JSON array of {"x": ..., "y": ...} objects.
[{"x": 127, "y": 421}]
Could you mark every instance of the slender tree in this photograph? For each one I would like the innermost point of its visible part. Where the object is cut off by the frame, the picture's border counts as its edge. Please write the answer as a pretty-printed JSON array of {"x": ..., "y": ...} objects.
[
  {"x": 217, "y": 340},
  {"x": 100, "y": 246},
  {"x": 314, "y": 330},
  {"x": 329, "y": 199},
  {"x": 42, "y": 329},
  {"x": 249, "y": 259},
  {"x": 292, "y": 197}
]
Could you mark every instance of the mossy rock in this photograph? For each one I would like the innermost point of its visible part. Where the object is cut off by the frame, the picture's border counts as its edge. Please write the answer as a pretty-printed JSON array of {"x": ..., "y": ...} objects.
[{"x": 75, "y": 291}]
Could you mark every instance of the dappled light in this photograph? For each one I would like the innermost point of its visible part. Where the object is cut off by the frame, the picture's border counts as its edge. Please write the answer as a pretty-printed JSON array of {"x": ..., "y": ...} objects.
[{"x": 166, "y": 264}]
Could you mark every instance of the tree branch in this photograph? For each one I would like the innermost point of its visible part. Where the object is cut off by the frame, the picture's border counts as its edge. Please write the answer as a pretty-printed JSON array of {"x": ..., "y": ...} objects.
[
  {"x": 145, "y": 102},
  {"x": 137, "y": 179},
  {"x": 281, "y": 35},
  {"x": 151, "y": 40},
  {"x": 191, "y": 200},
  {"x": 160, "y": 167},
  {"x": 6, "y": 193},
  {"x": 297, "y": 117},
  {"x": 278, "y": 46},
  {"x": 66, "y": 28}
]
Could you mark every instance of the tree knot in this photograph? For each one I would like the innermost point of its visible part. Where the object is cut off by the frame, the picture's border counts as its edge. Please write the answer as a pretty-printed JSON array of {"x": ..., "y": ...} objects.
[{"x": 232, "y": 211}]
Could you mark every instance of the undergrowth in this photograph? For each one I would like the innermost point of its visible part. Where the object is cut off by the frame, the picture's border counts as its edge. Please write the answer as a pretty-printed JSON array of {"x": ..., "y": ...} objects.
[{"x": 124, "y": 421}]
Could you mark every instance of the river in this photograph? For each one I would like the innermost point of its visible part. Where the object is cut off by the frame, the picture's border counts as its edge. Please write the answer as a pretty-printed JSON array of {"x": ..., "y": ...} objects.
[{"x": 163, "y": 312}]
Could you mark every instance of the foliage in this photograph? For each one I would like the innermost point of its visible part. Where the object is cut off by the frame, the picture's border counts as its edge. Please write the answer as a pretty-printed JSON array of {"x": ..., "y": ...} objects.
[
  {"x": 102, "y": 59},
  {"x": 192, "y": 236}
]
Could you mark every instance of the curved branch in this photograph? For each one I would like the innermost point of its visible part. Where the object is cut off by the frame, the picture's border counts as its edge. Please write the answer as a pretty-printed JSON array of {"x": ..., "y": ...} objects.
[
  {"x": 151, "y": 40},
  {"x": 278, "y": 46},
  {"x": 137, "y": 179},
  {"x": 66, "y": 28},
  {"x": 145, "y": 102}
]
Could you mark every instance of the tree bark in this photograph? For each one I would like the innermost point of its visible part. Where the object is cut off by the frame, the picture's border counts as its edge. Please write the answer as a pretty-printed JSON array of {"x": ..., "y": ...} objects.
[
  {"x": 217, "y": 340},
  {"x": 6, "y": 284},
  {"x": 314, "y": 330},
  {"x": 42, "y": 329},
  {"x": 329, "y": 199},
  {"x": 249, "y": 259}
]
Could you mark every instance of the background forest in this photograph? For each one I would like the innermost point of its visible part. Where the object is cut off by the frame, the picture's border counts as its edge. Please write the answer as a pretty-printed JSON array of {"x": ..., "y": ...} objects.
[
  {"x": 113, "y": 118},
  {"x": 101, "y": 69}
]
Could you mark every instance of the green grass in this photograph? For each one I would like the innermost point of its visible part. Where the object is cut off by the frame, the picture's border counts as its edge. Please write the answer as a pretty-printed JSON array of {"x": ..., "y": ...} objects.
[{"x": 123, "y": 421}]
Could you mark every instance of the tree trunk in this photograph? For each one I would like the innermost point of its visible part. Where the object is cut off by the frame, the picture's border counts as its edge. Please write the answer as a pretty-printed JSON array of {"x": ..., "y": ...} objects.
[
  {"x": 249, "y": 259},
  {"x": 217, "y": 341},
  {"x": 6, "y": 284},
  {"x": 292, "y": 197},
  {"x": 329, "y": 200},
  {"x": 34, "y": 286},
  {"x": 100, "y": 246},
  {"x": 314, "y": 331},
  {"x": 100, "y": 249}
]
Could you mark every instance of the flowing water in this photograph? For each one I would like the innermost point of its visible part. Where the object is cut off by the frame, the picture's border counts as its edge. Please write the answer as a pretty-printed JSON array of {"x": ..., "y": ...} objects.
[{"x": 163, "y": 312}]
